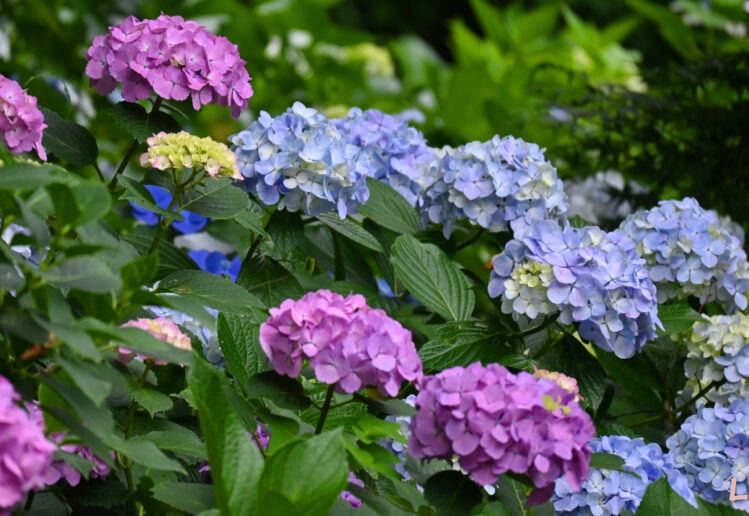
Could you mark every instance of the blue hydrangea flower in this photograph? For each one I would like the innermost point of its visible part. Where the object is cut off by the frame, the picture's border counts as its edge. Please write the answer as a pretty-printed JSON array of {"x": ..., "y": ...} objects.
[
  {"x": 592, "y": 278},
  {"x": 206, "y": 334},
  {"x": 300, "y": 161},
  {"x": 711, "y": 447},
  {"x": 495, "y": 184},
  {"x": 389, "y": 150},
  {"x": 192, "y": 223},
  {"x": 690, "y": 251},
  {"x": 217, "y": 263},
  {"x": 611, "y": 492}
]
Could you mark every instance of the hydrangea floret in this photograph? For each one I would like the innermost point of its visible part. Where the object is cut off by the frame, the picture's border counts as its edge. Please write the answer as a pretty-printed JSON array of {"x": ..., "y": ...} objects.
[
  {"x": 711, "y": 447},
  {"x": 501, "y": 183},
  {"x": 391, "y": 151},
  {"x": 25, "y": 454},
  {"x": 592, "y": 278},
  {"x": 495, "y": 421},
  {"x": 347, "y": 343},
  {"x": 566, "y": 382},
  {"x": 176, "y": 151},
  {"x": 300, "y": 161},
  {"x": 21, "y": 122},
  {"x": 174, "y": 58},
  {"x": 689, "y": 251},
  {"x": 216, "y": 263},
  {"x": 608, "y": 492},
  {"x": 163, "y": 329}
]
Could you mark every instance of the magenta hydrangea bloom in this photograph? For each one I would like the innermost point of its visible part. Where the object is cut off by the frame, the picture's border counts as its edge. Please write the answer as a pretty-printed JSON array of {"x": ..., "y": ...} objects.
[
  {"x": 25, "y": 454},
  {"x": 495, "y": 421},
  {"x": 346, "y": 342},
  {"x": 21, "y": 121},
  {"x": 172, "y": 57}
]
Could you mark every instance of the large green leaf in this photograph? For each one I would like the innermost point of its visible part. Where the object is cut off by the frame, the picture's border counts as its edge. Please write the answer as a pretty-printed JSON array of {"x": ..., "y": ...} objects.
[
  {"x": 660, "y": 499},
  {"x": 171, "y": 258},
  {"x": 191, "y": 498},
  {"x": 140, "y": 124},
  {"x": 269, "y": 280},
  {"x": 351, "y": 230},
  {"x": 460, "y": 344},
  {"x": 581, "y": 365},
  {"x": 83, "y": 273},
  {"x": 433, "y": 278},
  {"x": 25, "y": 176},
  {"x": 677, "y": 316},
  {"x": 211, "y": 290},
  {"x": 236, "y": 464},
  {"x": 239, "y": 340},
  {"x": 309, "y": 474},
  {"x": 389, "y": 209},
  {"x": 217, "y": 199},
  {"x": 68, "y": 141},
  {"x": 452, "y": 493}
]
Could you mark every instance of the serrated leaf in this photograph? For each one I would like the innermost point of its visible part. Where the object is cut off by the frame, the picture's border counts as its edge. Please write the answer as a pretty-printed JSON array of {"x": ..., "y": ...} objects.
[
  {"x": 147, "y": 454},
  {"x": 68, "y": 141},
  {"x": 270, "y": 281},
  {"x": 211, "y": 290},
  {"x": 25, "y": 176},
  {"x": 191, "y": 498},
  {"x": 433, "y": 278},
  {"x": 389, "y": 209},
  {"x": 238, "y": 337},
  {"x": 351, "y": 230},
  {"x": 182, "y": 443},
  {"x": 83, "y": 273},
  {"x": 284, "y": 391},
  {"x": 576, "y": 362},
  {"x": 607, "y": 461},
  {"x": 661, "y": 499},
  {"x": 677, "y": 316},
  {"x": 286, "y": 230},
  {"x": 452, "y": 493},
  {"x": 151, "y": 400},
  {"x": 141, "y": 125},
  {"x": 171, "y": 258},
  {"x": 217, "y": 199},
  {"x": 460, "y": 344},
  {"x": 93, "y": 381}
]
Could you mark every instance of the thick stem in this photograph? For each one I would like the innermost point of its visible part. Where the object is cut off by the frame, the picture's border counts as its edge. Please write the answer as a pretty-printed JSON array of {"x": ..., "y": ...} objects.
[
  {"x": 325, "y": 408},
  {"x": 163, "y": 222},
  {"x": 715, "y": 383},
  {"x": 339, "y": 274}
]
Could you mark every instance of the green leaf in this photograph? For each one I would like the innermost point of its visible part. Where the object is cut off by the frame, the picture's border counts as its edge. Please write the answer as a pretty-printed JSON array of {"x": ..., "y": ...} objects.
[
  {"x": 236, "y": 464},
  {"x": 152, "y": 401},
  {"x": 670, "y": 26},
  {"x": 433, "y": 278},
  {"x": 607, "y": 461},
  {"x": 510, "y": 492},
  {"x": 284, "y": 391},
  {"x": 181, "y": 443},
  {"x": 171, "y": 258},
  {"x": 83, "y": 273},
  {"x": 147, "y": 454},
  {"x": 460, "y": 344},
  {"x": 452, "y": 493},
  {"x": 310, "y": 474},
  {"x": 93, "y": 380},
  {"x": 576, "y": 362},
  {"x": 389, "y": 209},
  {"x": 68, "y": 141},
  {"x": 660, "y": 499},
  {"x": 211, "y": 290},
  {"x": 238, "y": 337},
  {"x": 217, "y": 199},
  {"x": 251, "y": 220},
  {"x": 269, "y": 280},
  {"x": 351, "y": 230},
  {"x": 191, "y": 498},
  {"x": 677, "y": 316},
  {"x": 141, "y": 125},
  {"x": 139, "y": 272},
  {"x": 286, "y": 230},
  {"x": 25, "y": 176},
  {"x": 79, "y": 204}
]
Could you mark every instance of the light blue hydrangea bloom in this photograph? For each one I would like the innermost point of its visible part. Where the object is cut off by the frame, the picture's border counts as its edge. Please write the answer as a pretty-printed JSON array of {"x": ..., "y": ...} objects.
[
  {"x": 711, "y": 447},
  {"x": 691, "y": 251},
  {"x": 300, "y": 161},
  {"x": 592, "y": 278},
  {"x": 495, "y": 184},
  {"x": 611, "y": 492}
]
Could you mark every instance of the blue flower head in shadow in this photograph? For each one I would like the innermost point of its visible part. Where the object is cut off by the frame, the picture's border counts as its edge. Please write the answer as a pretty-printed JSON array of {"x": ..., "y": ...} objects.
[
  {"x": 217, "y": 263},
  {"x": 192, "y": 223}
]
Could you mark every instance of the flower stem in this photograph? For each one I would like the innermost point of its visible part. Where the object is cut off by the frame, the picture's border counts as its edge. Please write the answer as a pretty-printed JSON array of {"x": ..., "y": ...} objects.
[
  {"x": 325, "y": 408},
  {"x": 163, "y": 222},
  {"x": 715, "y": 383},
  {"x": 127, "y": 465}
]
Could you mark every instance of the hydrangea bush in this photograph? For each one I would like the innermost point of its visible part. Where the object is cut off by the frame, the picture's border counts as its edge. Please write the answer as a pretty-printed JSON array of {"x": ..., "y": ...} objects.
[{"x": 399, "y": 328}]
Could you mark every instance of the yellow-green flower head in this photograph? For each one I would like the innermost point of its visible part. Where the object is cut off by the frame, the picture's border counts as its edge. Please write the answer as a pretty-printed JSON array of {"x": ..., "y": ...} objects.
[
  {"x": 183, "y": 150},
  {"x": 566, "y": 382}
]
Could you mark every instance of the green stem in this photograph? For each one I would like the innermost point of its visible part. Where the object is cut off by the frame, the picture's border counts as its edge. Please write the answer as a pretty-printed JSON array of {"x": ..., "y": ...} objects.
[
  {"x": 339, "y": 273},
  {"x": 715, "y": 383},
  {"x": 99, "y": 172},
  {"x": 29, "y": 501},
  {"x": 163, "y": 222},
  {"x": 470, "y": 240},
  {"x": 325, "y": 408}
]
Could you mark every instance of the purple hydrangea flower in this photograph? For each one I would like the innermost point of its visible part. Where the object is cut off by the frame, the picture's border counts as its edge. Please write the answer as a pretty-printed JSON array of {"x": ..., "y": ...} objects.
[
  {"x": 496, "y": 421},
  {"x": 690, "y": 251},
  {"x": 172, "y": 57},
  {"x": 495, "y": 184},
  {"x": 711, "y": 447},
  {"x": 217, "y": 263},
  {"x": 609, "y": 492},
  {"x": 193, "y": 222},
  {"x": 391, "y": 151},
  {"x": 21, "y": 121},
  {"x": 592, "y": 278},
  {"x": 347, "y": 343},
  {"x": 25, "y": 454},
  {"x": 300, "y": 161},
  {"x": 353, "y": 501}
]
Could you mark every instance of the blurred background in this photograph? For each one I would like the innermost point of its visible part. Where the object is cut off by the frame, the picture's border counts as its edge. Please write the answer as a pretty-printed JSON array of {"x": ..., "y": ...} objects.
[{"x": 652, "y": 90}]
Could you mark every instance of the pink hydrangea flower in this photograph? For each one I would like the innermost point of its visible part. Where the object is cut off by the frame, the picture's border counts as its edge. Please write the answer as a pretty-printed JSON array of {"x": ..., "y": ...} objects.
[
  {"x": 495, "y": 421},
  {"x": 21, "y": 121},
  {"x": 161, "y": 328},
  {"x": 25, "y": 454},
  {"x": 174, "y": 58},
  {"x": 346, "y": 342}
]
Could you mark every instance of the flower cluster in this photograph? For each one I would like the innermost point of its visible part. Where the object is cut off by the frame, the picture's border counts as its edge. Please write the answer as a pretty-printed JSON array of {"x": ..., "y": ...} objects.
[
  {"x": 501, "y": 182},
  {"x": 496, "y": 422},
  {"x": 300, "y": 161},
  {"x": 192, "y": 221},
  {"x": 346, "y": 342},
  {"x": 711, "y": 447},
  {"x": 347, "y": 496},
  {"x": 718, "y": 349},
  {"x": 161, "y": 328},
  {"x": 175, "y": 58},
  {"x": 21, "y": 121},
  {"x": 25, "y": 454},
  {"x": 390, "y": 151},
  {"x": 604, "y": 199},
  {"x": 183, "y": 150},
  {"x": 689, "y": 251},
  {"x": 593, "y": 278},
  {"x": 612, "y": 492}
]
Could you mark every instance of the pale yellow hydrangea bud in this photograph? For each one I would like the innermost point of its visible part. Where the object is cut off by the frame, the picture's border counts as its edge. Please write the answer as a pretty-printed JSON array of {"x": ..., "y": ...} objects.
[
  {"x": 183, "y": 150},
  {"x": 565, "y": 382}
]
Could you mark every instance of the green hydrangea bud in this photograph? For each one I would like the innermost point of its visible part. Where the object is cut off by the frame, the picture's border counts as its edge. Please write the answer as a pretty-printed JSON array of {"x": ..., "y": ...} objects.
[{"x": 183, "y": 150}]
